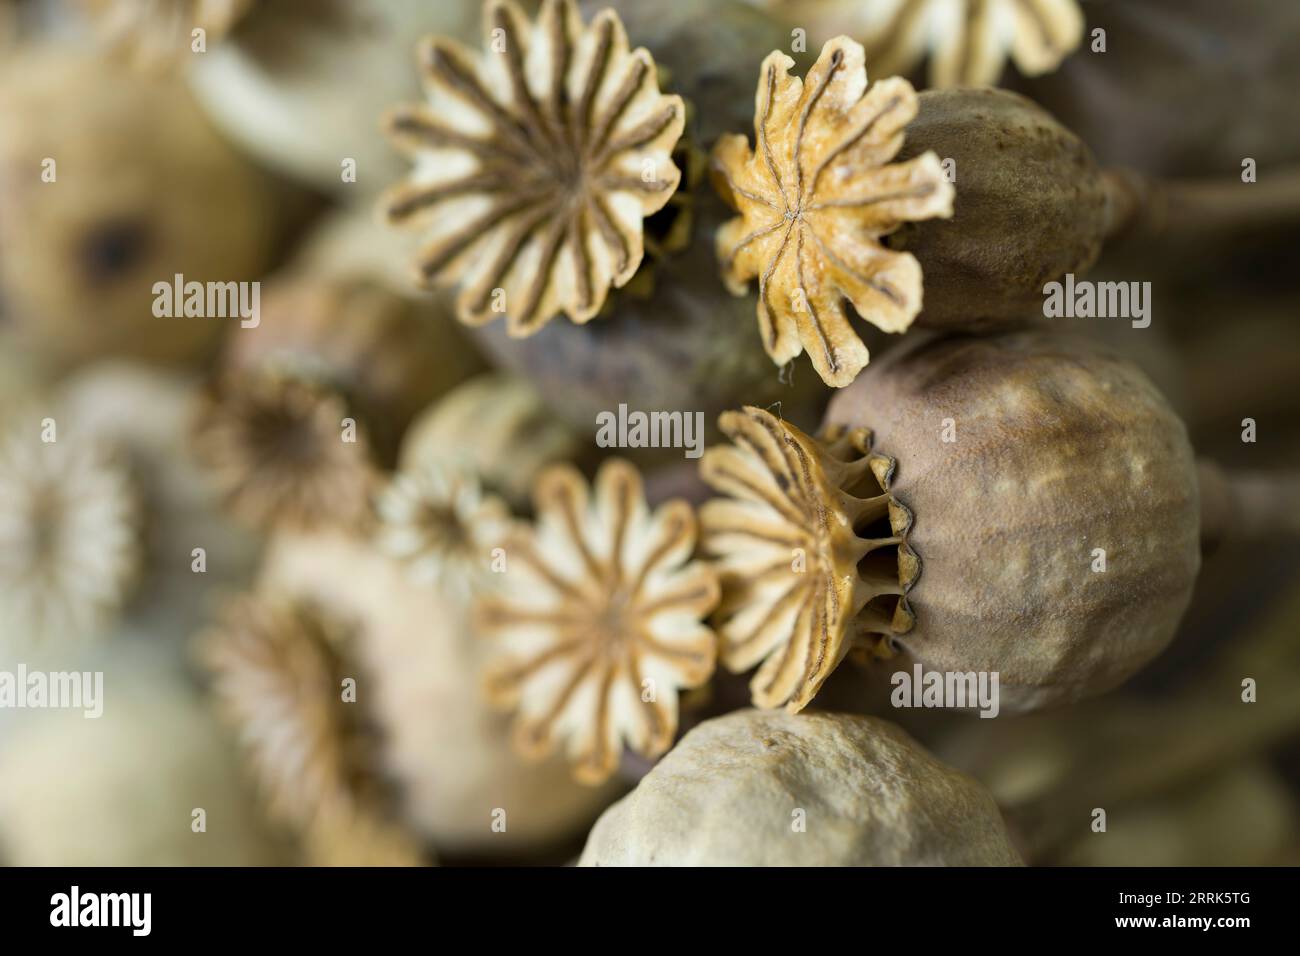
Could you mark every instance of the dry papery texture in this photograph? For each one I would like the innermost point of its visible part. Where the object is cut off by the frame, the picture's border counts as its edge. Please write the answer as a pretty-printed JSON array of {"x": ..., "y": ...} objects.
[
  {"x": 446, "y": 752},
  {"x": 816, "y": 193},
  {"x": 155, "y": 755},
  {"x": 599, "y": 621},
  {"x": 79, "y": 256},
  {"x": 1031, "y": 206},
  {"x": 1060, "y": 447},
  {"x": 732, "y": 792},
  {"x": 158, "y": 34},
  {"x": 71, "y": 531},
  {"x": 279, "y": 668},
  {"x": 788, "y": 543},
  {"x": 676, "y": 339},
  {"x": 495, "y": 426},
  {"x": 1207, "y": 83},
  {"x": 536, "y": 162},
  {"x": 284, "y": 85},
  {"x": 967, "y": 42},
  {"x": 272, "y": 427}
]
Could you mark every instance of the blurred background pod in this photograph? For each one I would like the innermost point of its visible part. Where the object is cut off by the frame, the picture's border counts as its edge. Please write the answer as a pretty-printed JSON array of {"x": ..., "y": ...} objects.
[
  {"x": 495, "y": 426},
  {"x": 192, "y": 549},
  {"x": 307, "y": 408},
  {"x": 99, "y": 208},
  {"x": 285, "y": 85},
  {"x": 143, "y": 769},
  {"x": 349, "y": 243},
  {"x": 389, "y": 355},
  {"x": 447, "y": 751}
]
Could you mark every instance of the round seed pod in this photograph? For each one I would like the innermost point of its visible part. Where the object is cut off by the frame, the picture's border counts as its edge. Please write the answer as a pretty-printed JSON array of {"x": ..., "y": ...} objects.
[
  {"x": 285, "y": 84},
  {"x": 121, "y": 790},
  {"x": 1025, "y": 504},
  {"x": 1207, "y": 84},
  {"x": 447, "y": 752},
  {"x": 99, "y": 208},
  {"x": 1031, "y": 205},
  {"x": 1054, "y": 508},
  {"x": 757, "y": 788}
]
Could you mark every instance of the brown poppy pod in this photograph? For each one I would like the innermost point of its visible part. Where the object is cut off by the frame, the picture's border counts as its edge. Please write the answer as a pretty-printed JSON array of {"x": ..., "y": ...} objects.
[
  {"x": 1054, "y": 502},
  {"x": 1031, "y": 205}
]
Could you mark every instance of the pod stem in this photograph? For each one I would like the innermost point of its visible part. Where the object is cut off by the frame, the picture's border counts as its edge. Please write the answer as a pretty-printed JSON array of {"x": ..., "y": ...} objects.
[
  {"x": 1146, "y": 207},
  {"x": 1246, "y": 505}
]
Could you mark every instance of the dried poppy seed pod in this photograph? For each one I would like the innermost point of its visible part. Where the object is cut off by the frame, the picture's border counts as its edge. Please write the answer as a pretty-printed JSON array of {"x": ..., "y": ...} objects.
[
  {"x": 757, "y": 788},
  {"x": 280, "y": 667},
  {"x": 98, "y": 208},
  {"x": 1062, "y": 460},
  {"x": 817, "y": 192},
  {"x": 1031, "y": 205},
  {"x": 155, "y": 754},
  {"x": 1041, "y": 498},
  {"x": 601, "y": 621},
  {"x": 537, "y": 160},
  {"x": 72, "y": 531}
]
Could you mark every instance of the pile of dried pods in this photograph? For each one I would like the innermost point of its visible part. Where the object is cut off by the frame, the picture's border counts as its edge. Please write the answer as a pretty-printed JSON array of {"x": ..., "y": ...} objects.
[{"x": 609, "y": 350}]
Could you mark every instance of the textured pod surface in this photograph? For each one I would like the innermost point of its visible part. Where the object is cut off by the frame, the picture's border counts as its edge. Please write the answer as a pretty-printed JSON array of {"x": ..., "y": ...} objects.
[
  {"x": 1031, "y": 206},
  {"x": 736, "y": 788},
  {"x": 1058, "y": 448},
  {"x": 79, "y": 255}
]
